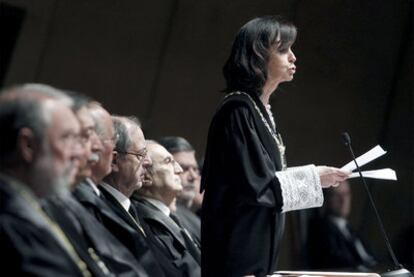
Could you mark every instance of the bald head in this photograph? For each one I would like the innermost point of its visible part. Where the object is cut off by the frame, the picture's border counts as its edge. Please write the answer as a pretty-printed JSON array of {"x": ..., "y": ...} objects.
[
  {"x": 184, "y": 153},
  {"x": 164, "y": 183}
]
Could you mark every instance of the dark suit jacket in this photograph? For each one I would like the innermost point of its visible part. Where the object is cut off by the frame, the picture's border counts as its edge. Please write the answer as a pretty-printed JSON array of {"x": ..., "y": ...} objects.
[
  {"x": 85, "y": 230},
  {"x": 328, "y": 248},
  {"x": 29, "y": 247},
  {"x": 170, "y": 236},
  {"x": 120, "y": 228}
]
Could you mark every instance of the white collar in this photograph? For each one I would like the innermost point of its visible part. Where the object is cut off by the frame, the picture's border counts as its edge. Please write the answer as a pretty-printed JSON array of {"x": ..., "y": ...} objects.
[
  {"x": 160, "y": 206},
  {"x": 94, "y": 186},
  {"x": 119, "y": 196}
]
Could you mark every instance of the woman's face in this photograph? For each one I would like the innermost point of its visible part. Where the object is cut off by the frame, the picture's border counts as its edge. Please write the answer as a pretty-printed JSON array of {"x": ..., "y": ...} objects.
[{"x": 281, "y": 65}]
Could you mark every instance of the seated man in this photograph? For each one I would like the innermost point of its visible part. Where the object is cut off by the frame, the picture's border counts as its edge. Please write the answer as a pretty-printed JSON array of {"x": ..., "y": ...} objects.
[
  {"x": 189, "y": 200},
  {"x": 129, "y": 163},
  {"x": 332, "y": 243},
  {"x": 128, "y": 167},
  {"x": 103, "y": 203},
  {"x": 152, "y": 202},
  {"x": 39, "y": 153}
]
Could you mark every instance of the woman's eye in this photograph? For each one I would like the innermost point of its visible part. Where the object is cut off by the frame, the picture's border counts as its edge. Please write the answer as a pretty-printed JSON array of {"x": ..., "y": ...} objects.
[{"x": 283, "y": 50}]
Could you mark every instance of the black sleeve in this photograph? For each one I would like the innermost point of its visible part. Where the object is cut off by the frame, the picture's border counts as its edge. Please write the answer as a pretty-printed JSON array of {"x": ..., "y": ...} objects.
[
  {"x": 29, "y": 251},
  {"x": 249, "y": 164}
]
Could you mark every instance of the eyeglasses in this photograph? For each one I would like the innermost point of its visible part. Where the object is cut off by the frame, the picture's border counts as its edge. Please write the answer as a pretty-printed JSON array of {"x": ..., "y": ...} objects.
[{"x": 140, "y": 155}]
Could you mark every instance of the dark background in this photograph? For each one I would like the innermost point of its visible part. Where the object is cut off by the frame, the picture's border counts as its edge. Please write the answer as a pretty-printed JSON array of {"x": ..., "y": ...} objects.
[{"x": 161, "y": 61}]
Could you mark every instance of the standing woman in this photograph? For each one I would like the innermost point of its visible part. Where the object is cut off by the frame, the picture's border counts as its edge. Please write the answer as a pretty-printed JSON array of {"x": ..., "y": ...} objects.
[{"x": 247, "y": 184}]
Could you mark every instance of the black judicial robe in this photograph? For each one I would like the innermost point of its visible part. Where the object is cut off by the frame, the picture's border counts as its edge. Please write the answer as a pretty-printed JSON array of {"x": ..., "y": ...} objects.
[
  {"x": 27, "y": 245},
  {"x": 121, "y": 229},
  {"x": 182, "y": 251},
  {"x": 65, "y": 222},
  {"x": 242, "y": 222},
  {"x": 85, "y": 231},
  {"x": 160, "y": 254}
]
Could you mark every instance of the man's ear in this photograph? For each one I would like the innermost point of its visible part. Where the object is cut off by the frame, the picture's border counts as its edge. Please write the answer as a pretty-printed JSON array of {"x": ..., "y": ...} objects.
[
  {"x": 115, "y": 160},
  {"x": 26, "y": 145}
]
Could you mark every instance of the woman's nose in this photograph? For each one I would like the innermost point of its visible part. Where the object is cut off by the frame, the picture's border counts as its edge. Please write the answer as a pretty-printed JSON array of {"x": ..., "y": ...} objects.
[{"x": 292, "y": 57}]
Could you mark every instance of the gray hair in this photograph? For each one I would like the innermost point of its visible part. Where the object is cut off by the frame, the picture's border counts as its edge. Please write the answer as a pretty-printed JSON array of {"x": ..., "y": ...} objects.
[
  {"x": 121, "y": 130},
  {"x": 175, "y": 144},
  {"x": 80, "y": 100},
  {"x": 48, "y": 92},
  {"x": 22, "y": 107},
  {"x": 99, "y": 128}
]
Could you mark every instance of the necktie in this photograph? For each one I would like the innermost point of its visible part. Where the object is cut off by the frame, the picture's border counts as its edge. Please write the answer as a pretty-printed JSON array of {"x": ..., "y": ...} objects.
[
  {"x": 184, "y": 231},
  {"x": 191, "y": 244},
  {"x": 134, "y": 215}
]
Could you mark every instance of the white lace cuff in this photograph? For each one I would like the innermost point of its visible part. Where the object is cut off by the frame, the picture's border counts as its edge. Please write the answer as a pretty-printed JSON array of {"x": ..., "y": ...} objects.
[{"x": 301, "y": 188}]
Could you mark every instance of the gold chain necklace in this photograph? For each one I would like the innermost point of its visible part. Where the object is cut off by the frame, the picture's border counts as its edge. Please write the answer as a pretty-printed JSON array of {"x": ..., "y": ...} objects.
[{"x": 276, "y": 136}]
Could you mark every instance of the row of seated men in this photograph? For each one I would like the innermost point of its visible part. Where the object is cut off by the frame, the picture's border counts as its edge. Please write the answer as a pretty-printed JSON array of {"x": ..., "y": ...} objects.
[{"x": 82, "y": 193}]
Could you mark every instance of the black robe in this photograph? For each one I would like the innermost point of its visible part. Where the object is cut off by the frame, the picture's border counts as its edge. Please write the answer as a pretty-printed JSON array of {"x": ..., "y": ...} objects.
[
  {"x": 181, "y": 249},
  {"x": 66, "y": 222},
  {"x": 27, "y": 244},
  {"x": 121, "y": 229},
  {"x": 86, "y": 232},
  {"x": 151, "y": 253},
  {"x": 242, "y": 223}
]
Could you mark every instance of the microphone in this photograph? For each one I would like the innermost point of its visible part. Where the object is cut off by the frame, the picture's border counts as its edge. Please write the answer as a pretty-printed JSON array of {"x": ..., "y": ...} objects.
[
  {"x": 398, "y": 268},
  {"x": 346, "y": 139}
]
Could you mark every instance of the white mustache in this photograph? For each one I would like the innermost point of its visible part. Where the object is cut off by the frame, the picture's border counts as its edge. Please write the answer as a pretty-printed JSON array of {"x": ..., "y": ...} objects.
[{"x": 93, "y": 157}]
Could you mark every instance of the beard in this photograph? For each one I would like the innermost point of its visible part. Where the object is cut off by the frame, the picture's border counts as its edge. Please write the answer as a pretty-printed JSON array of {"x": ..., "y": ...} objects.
[{"x": 47, "y": 178}]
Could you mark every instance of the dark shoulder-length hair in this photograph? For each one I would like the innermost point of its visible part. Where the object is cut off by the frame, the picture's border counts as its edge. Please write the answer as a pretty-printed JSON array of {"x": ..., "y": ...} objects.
[{"x": 246, "y": 68}]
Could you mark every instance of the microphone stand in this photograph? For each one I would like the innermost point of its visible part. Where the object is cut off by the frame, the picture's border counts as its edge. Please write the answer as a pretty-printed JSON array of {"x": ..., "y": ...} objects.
[{"x": 399, "y": 270}]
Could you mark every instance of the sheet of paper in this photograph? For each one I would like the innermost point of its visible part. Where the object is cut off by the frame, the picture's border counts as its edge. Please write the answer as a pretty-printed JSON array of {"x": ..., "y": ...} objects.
[
  {"x": 369, "y": 156},
  {"x": 324, "y": 274},
  {"x": 383, "y": 174}
]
